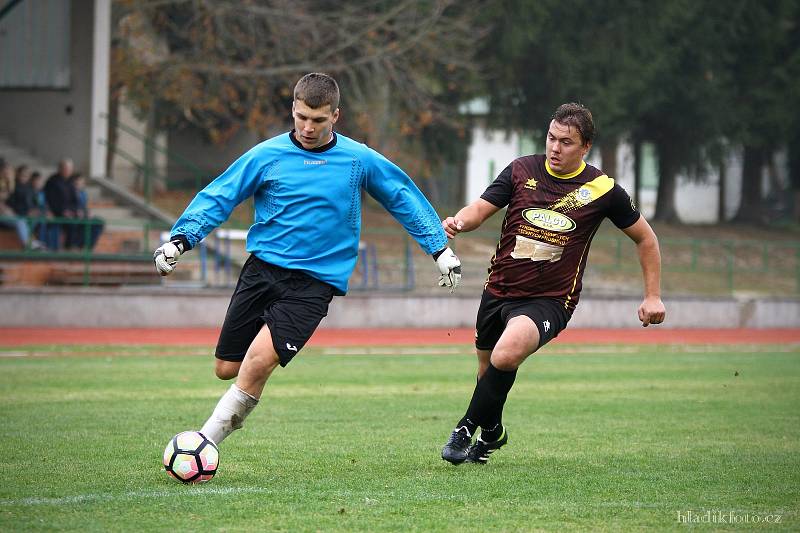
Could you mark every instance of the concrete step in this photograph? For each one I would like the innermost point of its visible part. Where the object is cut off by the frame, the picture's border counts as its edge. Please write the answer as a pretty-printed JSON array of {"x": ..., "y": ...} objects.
[
  {"x": 95, "y": 194},
  {"x": 34, "y": 164},
  {"x": 101, "y": 202},
  {"x": 16, "y": 156},
  {"x": 134, "y": 223},
  {"x": 24, "y": 273},
  {"x": 60, "y": 273},
  {"x": 112, "y": 212},
  {"x": 124, "y": 226},
  {"x": 124, "y": 241},
  {"x": 9, "y": 239}
]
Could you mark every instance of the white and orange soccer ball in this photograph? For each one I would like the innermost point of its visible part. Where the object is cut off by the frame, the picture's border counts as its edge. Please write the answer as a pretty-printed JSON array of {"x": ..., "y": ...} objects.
[{"x": 190, "y": 457}]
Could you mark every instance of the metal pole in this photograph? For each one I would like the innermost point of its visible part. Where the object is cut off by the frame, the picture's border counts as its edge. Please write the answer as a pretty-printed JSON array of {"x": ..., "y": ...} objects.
[
  {"x": 410, "y": 281},
  {"x": 6, "y": 9},
  {"x": 729, "y": 248}
]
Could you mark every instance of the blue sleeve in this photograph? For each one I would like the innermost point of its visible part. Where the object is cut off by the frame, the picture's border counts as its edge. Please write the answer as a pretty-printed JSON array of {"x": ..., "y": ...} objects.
[
  {"x": 394, "y": 189},
  {"x": 214, "y": 204}
]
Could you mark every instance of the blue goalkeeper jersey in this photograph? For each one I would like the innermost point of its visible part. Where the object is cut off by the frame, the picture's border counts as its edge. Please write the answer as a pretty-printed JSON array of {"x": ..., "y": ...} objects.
[{"x": 308, "y": 205}]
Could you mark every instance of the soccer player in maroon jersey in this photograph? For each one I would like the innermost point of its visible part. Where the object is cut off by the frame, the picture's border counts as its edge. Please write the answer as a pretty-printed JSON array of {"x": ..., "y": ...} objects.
[{"x": 555, "y": 203}]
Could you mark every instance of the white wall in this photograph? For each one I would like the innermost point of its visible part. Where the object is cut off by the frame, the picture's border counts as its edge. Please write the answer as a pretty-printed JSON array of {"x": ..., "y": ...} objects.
[
  {"x": 488, "y": 154},
  {"x": 52, "y": 124},
  {"x": 696, "y": 200},
  {"x": 133, "y": 307},
  {"x": 124, "y": 171},
  {"x": 210, "y": 159}
]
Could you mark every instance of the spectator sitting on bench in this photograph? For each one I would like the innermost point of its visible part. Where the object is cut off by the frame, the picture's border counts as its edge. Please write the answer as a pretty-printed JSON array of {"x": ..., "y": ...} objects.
[
  {"x": 8, "y": 218},
  {"x": 79, "y": 204},
  {"x": 46, "y": 232},
  {"x": 23, "y": 200},
  {"x": 58, "y": 194}
]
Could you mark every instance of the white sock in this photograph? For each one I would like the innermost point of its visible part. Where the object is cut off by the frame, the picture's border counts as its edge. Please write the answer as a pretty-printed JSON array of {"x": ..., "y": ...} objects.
[{"x": 229, "y": 414}]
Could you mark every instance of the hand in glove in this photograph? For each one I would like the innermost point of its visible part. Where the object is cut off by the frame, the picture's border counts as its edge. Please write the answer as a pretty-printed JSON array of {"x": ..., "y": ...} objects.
[
  {"x": 449, "y": 268},
  {"x": 166, "y": 256}
]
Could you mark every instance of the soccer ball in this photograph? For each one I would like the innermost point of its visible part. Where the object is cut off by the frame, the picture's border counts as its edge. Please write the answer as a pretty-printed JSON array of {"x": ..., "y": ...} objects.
[{"x": 191, "y": 457}]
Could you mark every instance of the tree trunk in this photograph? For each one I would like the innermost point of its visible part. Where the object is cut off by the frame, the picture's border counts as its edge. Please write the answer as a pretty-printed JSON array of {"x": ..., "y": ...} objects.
[
  {"x": 113, "y": 134},
  {"x": 149, "y": 162},
  {"x": 794, "y": 172},
  {"x": 637, "y": 170},
  {"x": 608, "y": 156},
  {"x": 750, "y": 206},
  {"x": 668, "y": 164},
  {"x": 460, "y": 193},
  {"x": 722, "y": 192}
]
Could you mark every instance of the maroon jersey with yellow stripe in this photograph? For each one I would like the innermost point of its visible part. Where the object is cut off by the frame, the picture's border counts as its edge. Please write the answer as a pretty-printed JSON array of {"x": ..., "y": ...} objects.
[{"x": 548, "y": 227}]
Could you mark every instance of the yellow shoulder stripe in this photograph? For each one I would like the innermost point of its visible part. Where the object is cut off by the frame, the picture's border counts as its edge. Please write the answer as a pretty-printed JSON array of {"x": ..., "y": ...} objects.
[
  {"x": 599, "y": 186},
  {"x": 585, "y": 194}
]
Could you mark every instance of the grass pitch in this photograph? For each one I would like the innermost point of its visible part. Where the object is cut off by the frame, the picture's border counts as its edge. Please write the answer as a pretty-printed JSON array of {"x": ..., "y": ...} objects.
[{"x": 601, "y": 438}]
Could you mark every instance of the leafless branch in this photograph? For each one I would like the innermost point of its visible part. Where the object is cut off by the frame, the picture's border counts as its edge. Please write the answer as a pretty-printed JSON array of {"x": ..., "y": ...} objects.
[{"x": 226, "y": 64}]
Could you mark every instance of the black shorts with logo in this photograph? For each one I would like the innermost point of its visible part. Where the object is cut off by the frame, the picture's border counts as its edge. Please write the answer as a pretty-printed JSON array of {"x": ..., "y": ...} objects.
[
  {"x": 548, "y": 314},
  {"x": 289, "y": 302}
]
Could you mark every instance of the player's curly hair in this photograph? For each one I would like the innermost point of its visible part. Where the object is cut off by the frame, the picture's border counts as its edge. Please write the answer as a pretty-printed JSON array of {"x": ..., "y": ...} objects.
[
  {"x": 316, "y": 90},
  {"x": 578, "y": 116}
]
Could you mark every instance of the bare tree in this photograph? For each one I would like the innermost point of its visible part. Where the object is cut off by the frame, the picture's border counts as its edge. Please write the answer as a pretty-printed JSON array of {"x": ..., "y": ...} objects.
[{"x": 403, "y": 65}]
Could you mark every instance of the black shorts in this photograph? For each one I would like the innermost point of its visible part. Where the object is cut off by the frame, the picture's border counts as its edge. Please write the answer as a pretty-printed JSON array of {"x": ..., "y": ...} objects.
[
  {"x": 548, "y": 314},
  {"x": 289, "y": 302}
]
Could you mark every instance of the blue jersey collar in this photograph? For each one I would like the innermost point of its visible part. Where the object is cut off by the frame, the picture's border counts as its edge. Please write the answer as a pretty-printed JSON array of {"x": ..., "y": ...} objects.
[{"x": 318, "y": 149}]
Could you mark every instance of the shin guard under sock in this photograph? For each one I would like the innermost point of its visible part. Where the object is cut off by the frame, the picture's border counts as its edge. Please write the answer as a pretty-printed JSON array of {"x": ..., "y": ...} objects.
[
  {"x": 232, "y": 409},
  {"x": 486, "y": 407}
]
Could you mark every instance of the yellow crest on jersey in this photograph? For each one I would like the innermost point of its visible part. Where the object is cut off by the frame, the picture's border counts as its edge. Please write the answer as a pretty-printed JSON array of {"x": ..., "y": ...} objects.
[{"x": 585, "y": 194}]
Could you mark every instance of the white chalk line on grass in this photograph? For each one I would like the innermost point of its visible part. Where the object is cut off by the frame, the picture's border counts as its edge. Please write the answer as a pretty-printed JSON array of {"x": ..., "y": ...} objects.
[
  {"x": 89, "y": 353},
  {"x": 396, "y": 350},
  {"x": 15, "y": 354},
  {"x": 589, "y": 349},
  {"x": 135, "y": 495},
  {"x": 571, "y": 349}
]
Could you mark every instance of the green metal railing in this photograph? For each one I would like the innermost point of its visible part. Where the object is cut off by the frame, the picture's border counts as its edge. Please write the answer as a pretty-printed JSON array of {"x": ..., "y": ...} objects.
[
  {"x": 721, "y": 266},
  {"x": 147, "y": 171},
  {"x": 690, "y": 266},
  {"x": 40, "y": 226},
  {"x": 6, "y": 9},
  {"x": 387, "y": 258}
]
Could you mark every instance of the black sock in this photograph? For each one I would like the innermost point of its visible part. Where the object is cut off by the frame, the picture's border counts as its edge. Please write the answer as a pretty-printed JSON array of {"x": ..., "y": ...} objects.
[
  {"x": 486, "y": 407},
  {"x": 492, "y": 434},
  {"x": 469, "y": 424}
]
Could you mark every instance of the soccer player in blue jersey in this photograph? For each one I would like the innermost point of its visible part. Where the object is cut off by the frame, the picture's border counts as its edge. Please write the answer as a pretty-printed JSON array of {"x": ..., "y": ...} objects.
[{"x": 304, "y": 243}]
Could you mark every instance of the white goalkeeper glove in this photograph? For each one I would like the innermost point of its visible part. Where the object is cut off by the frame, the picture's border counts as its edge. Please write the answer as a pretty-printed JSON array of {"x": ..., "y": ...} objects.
[
  {"x": 449, "y": 268},
  {"x": 166, "y": 256}
]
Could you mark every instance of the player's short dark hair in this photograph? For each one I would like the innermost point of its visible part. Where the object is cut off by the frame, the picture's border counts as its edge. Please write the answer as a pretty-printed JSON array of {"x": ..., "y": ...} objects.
[
  {"x": 577, "y": 116},
  {"x": 316, "y": 90}
]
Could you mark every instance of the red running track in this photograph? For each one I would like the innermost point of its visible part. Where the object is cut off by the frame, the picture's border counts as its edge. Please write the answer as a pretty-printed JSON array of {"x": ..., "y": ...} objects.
[{"x": 393, "y": 337}]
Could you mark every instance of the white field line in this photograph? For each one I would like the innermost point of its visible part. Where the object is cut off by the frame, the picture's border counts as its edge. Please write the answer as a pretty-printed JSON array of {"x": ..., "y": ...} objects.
[
  {"x": 135, "y": 495},
  {"x": 571, "y": 350},
  {"x": 88, "y": 353},
  {"x": 397, "y": 350},
  {"x": 455, "y": 350}
]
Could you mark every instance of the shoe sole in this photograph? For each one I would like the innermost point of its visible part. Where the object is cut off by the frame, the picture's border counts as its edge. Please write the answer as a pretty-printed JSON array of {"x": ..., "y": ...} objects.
[{"x": 454, "y": 461}]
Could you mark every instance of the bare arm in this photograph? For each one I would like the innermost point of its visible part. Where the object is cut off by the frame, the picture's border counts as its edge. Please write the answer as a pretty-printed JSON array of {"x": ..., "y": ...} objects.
[
  {"x": 652, "y": 310},
  {"x": 469, "y": 217}
]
